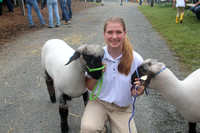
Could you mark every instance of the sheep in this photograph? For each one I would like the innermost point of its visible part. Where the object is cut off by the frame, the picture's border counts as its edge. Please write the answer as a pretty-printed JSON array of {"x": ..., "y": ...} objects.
[
  {"x": 69, "y": 78},
  {"x": 183, "y": 94}
]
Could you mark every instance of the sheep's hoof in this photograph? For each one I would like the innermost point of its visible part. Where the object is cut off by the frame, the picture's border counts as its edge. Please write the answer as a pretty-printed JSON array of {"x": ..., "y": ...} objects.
[
  {"x": 64, "y": 127},
  {"x": 53, "y": 98}
]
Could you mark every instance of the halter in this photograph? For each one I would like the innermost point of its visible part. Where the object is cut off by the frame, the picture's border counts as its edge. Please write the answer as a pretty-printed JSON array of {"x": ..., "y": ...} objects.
[
  {"x": 100, "y": 80},
  {"x": 95, "y": 69},
  {"x": 146, "y": 91}
]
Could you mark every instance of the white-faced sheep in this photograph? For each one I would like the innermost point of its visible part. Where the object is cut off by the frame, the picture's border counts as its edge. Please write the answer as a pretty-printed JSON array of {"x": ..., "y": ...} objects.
[
  {"x": 69, "y": 79},
  {"x": 184, "y": 94}
]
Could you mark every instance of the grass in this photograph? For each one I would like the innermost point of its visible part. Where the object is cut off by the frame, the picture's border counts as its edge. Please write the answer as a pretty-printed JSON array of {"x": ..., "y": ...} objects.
[{"x": 183, "y": 38}]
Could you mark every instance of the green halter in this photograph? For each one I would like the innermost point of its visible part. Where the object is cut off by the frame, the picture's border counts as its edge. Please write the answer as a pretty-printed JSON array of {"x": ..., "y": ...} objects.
[
  {"x": 95, "y": 69},
  {"x": 101, "y": 81}
]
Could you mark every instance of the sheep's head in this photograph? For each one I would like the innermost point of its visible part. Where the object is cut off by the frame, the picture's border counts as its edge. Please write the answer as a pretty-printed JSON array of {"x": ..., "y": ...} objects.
[
  {"x": 147, "y": 70},
  {"x": 90, "y": 57}
]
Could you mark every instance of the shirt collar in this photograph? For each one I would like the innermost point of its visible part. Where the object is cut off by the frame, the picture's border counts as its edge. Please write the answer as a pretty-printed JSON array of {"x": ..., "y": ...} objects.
[{"x": 108, "y": 56}]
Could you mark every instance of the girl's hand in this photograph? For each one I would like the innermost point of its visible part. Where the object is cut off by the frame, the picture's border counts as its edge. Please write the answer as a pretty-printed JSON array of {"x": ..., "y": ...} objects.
[
  {"x": 104, "y": 67},
  {"x": 140, "y": 88}
]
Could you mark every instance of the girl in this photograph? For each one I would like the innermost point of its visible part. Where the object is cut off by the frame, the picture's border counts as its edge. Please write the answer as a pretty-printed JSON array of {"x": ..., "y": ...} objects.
[
  {"x": 180, "y": 5},
  {"x": 115, "y": 98}
]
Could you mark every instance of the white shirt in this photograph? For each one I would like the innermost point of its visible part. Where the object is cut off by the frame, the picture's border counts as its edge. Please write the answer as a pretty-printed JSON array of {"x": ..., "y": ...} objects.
[{"x": 116, "y": 86}]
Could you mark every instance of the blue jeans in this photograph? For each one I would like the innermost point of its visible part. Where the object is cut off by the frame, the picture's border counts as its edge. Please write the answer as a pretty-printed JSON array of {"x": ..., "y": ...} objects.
[
  {"x": 63, "y": 5},
  {"x": 196, "y": 10},
  {"x": 9, "y": 5},
  {"x": 52, "y": 4},
  {"x": 34, "y": 4},
  {"x": 69, "y": 3}
]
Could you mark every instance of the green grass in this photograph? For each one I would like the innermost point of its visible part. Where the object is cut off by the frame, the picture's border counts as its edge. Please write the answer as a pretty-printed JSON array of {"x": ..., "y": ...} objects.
[{"x": 183, "y": 38}]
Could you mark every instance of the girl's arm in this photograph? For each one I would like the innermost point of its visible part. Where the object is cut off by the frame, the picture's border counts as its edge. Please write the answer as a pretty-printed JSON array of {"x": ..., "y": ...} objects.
[
  {"x": 90, "y": 83},
  {"x": 174, "y": 3}
]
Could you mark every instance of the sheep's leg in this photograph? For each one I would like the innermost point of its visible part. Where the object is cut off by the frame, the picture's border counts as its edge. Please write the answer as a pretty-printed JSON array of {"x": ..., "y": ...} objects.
[
  {"x": 50, "y": 87},
  {"x": 63, "y": 110},
  {"x": 192, "y": 127},
  {"x": 85, "y": 97}
]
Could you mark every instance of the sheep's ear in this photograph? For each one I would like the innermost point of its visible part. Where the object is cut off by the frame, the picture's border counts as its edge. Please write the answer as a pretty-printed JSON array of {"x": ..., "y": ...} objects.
[{"x": 74, "y": 57}]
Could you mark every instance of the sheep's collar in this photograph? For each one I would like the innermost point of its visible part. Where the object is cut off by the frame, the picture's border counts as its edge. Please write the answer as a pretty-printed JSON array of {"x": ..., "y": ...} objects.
[
  {"x": 161, "y": 71},
  {"x": 145, "y": 76}
]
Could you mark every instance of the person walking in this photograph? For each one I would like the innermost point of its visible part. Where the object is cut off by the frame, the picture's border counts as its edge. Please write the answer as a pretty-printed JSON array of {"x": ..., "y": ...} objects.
[
  {"x": 180, "y": 5},
  {"x": 44, "y": 2},
  {"x": 65, "y": 14},
  {"x": 114, "y": 101},
  {"x": 9, "y": 5},
  {"x": 34, "y": 4},
  {"x": 53, "y": 5},
  {"x": 69, "y": 3}
]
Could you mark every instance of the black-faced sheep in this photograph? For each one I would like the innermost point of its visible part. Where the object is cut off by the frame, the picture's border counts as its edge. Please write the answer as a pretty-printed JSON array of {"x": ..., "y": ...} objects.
[
  {"x": 185, "y": 94},
  {"x": 65, "y": 71}
]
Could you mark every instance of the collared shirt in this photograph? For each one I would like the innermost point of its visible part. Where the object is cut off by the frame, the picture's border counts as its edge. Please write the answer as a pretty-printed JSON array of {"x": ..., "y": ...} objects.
[{"x": 116, "y": 86}]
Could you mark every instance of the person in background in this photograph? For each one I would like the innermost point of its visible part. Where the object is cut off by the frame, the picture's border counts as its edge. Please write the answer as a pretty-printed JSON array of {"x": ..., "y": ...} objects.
[
  {"x": 34, "y": 4},
  {"x": 180, "y": 5},
  {"x": 114, "y": 101},
  {"x": 53, "y": 5},
  {"x": 69, "y": 3},
  {"x": 1, "y": 1},
  {"x": 61, "y": 7},
  {"x": 65, "y": 14},
  {"x": 44, "y": 2},
  {"x": 196, "y": 10},
  {"x": 9, "y": 5}
]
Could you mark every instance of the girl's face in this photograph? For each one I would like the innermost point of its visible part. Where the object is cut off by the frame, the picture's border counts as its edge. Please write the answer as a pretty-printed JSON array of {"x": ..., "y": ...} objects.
[{"x": 114, "y": 35}]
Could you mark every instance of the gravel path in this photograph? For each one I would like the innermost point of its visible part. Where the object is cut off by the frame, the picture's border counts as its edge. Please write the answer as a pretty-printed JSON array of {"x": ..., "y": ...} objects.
[{"x": 24, "y": 102}]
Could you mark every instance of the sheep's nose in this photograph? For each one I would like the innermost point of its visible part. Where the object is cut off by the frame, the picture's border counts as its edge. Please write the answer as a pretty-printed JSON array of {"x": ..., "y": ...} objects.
[{"x": 97, "y": 75}]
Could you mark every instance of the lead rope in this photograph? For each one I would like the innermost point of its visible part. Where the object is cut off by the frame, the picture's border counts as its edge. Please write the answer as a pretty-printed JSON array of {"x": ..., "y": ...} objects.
[
  {"x": 100, "y": 80},
  {"x": 146, "y": 91},
  {"x": 133, "y": 112}
]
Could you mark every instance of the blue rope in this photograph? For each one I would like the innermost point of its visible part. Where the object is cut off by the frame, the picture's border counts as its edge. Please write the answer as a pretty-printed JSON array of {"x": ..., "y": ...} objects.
[
  {"x": 133, "y": 112},
  {"x": 146, "y": 91},
  {"x": 161, "y": 70}
]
